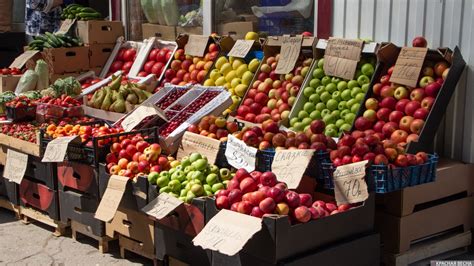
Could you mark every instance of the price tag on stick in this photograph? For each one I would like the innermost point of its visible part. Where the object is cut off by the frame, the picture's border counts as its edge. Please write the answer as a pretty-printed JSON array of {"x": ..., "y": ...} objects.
[
  {"x": 341, "y": 57},
  {"x": 196, "y": 45},
  {"x": 290, "y": 165},
  {"x": 241, "y": 48},
  {"x": 239, "y": 155},
  {"x": 192, "y": 142},
  {"x": 408, "y": 66},
  {"x": 228, "y": 232},
  {"x": 111, "y": 199},
  {"x": 289, "y": 53},
  {"x": 57, "y": 148},
  {"x": 349, "y": 183},
  {"x": 15, "y": 166},
  {"x": 163, "y": 205},
  {"x": 137, "y": 116}
]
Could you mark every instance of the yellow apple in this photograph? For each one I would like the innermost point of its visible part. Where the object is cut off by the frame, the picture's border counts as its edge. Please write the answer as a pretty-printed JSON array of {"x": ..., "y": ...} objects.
[
  {"x": 241, "y": 70},
  {"x": 230, "y": 76},
  {"x": 235, "y": 82},
  {"x": 221, "y": 61},
  {"x": 240, "y": 90},
  {"x": 209, "y": 82},
  {"x": 251, "y": 35},
  {"x": 247, "y": 78},
  {"x": 237, "y": 63},
  {"x": 226, "y": 68},
  {"x": 214, "y": 75},
  {"x": 253, "y": 65},
  {"x": 220, "y": 81}
]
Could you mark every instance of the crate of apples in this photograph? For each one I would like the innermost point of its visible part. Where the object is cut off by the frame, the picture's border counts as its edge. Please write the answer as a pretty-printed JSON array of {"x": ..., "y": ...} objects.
[
  {"x": 123, "y": 60},
  {"x": 214, "y": 127},
  {"x": 157, "y": 58}
]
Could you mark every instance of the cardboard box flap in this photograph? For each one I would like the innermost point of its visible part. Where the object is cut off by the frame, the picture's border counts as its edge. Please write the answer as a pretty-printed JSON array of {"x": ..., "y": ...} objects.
[{"x": 111, "y": 199}]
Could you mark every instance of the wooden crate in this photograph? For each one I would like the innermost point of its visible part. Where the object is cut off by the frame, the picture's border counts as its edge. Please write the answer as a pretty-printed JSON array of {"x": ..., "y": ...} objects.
[
  {"x": 438, "y": 247},
  {"x": 103, "y": 241},
  {"x": 28, "y": 215},
  {"x": 5, "y": 204},
  {"x": 127, "y": 244}
]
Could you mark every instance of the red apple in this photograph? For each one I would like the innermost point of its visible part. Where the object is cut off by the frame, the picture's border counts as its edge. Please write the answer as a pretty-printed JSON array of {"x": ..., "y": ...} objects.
[
  {"x": 416, "y": 126},
  {"x": 411, "y": 107},
  {"x": 419, "y": 41},
  {"x": 421, "y": 113},
  {"x": 427, "y": 102},
  {"x": 405, "y": 123}
]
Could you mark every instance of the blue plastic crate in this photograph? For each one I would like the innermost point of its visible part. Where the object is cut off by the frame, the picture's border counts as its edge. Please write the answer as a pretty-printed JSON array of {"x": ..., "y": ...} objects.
[{"x": 383, "y": 179}]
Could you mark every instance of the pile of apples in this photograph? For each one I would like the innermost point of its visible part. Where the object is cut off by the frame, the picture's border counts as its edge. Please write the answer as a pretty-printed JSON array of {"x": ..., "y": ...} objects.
[
  {"x": 334, "y": 100},
  {"x": 272, "y": 95},
  {"x": 269, "y": 135},
  {"x": 186, "y": 69},
  {"x": 367, "y": 145},
  {"x": 134, "y": 156},
  {"x": 399, "y": 112},
  {"x": 235, "y": 75},
  {"x": 123, "y": 60},
  {"x": 258, "y": 194},
  {"x": 156, "y": 62},
  {"x": 191, "y": 177},
  {"x": 214, "y": 127}
]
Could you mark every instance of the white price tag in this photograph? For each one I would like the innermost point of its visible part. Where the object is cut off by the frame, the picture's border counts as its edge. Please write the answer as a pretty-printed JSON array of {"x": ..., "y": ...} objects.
[
  {"x": 15, "y": 166},
  {"x": 57, "y": 148},
  {"x": 162, "y": 206},
  {"x": 239, "y": 155}
]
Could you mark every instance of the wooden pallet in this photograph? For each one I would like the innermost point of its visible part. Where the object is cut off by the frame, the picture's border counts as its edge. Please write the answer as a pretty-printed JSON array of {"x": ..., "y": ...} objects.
[
  {"x": 127, "y": 244},
  {"x": 5, "y": 204},
  {"x": 103, "y": 241},
  {"x": 31, "y": 215},
  {"x": 437, "y": 247}
]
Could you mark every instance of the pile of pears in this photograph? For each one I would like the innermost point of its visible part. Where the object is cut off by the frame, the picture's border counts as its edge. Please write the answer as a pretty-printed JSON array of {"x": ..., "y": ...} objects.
[{"x": 118, "y": 97}]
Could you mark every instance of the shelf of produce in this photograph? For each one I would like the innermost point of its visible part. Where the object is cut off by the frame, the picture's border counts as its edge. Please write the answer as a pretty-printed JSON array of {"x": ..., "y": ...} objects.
[{"x": 20, "y": 145}]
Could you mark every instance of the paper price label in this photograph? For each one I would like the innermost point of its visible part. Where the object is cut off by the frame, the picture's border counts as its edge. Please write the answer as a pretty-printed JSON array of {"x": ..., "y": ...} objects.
[
  {"x": 197, "y": 143},
  {"x": 163, "y": 205},
  {"x": 137, "y": 116},
  {"x": 290, "y": 165},
  {"x": 228, "y": 232},
  {"x": 15, "y": 166},
  {"x": 289, "y": 53},
  {"x": 21, "y": 60},
  {"x": 239, "y": 155},
  {"x": 408, "y": 66},
  {"x": 66, "y": 26},
  {"x": 111, "y": 199},
  {"x": 341, "y": 57},
  {"x": 57, "y": 148},
  {"x": 241, "y": 48},
  {"x": 196, "y": 45},
  {"x": 349, "y": 183}
]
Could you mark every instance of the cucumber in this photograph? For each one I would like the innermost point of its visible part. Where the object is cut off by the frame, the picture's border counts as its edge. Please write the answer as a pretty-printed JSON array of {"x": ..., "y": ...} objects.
[
  {"x": 47, "y": 45},
  {"x": 35, "y": 42},
  {"x": 90, "y": 15},
  {"x": 53, "y": 38},
  {"x": 87, "y": 10}
]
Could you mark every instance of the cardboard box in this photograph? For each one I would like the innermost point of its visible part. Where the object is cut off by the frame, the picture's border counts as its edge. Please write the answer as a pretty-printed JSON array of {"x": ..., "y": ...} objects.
[
  {"x": 80, "y": 208},
  {"x": 40, "y": 197},
  {"x": 453, "y": 178},
  {"x": 66, "y": 60},
  {"x": 79, "y": 177},
  {"x": 9, "y": 190},
  {"x": 189, "y": 30},
  {"x": 279, "y": 240},
  {"x": 99, "y": 31},
  {"x": 162, "y": 32},
  {"x": 236, "y": 30},
  {"x": 8, "y": 82},
  {"x": 134, "y": 225},
  {"x": 99, "y": 53},
  {"x": 364, "y": 250}
]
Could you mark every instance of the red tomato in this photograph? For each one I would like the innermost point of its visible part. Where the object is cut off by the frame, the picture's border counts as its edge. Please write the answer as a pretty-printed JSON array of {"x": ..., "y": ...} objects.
[
  {"x": 148, "y": 65},
  {"x": 127, "y": 66},
  {"x": 152, "y": 54},
  {"x": 116, "y": 65},
  {"x": 142, "y": 74},
  {"x": 161, "y": 57},
  {"x": 157, "y": 67},
  {"x": 120, "y": 54},
  {"x": 129, "y": 55},
  {"x": 94, "y": 81}
]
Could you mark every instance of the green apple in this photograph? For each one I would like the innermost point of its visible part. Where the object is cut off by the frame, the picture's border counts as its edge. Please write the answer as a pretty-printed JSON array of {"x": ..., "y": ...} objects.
[
  {"x": 308, "y": 91},
  {"x": 350, "y": 117},
  {"x": 153, "y": 177},
  {"x": 318, "y": 73},
  {"x": 207, "y": 187},
  {"x": 178, "y": 175},
  {"x": 294, "y": 120},
  {"x": 185, "y": 162},
  {"x": 302, "y": 114},
  {"x": 350, "y": 103},
  {"x": 331, "y": 126},
  {"x": 355, "y": 108},
  {"x": 315, "y": 82},
  {"x": 345, "y": 128},
  {"x": 194, "y": 157},
  {"x": 330, "y": 132},
  {"x": 325, "y": 80},
  {"x": 360, "y": 97},
  {"x": 344, "y": 113},
  {"x": 165, "y": 189},
  {"x": 325, "y": 112},
  {"x": 331, "y": 87},
  {"x": 320, "y": 89},
  {"x": 329, "y": 119},
  {"x": 321, "y": 63},
  {"x": 365, "y": 88},
  {"x": 367, "y": 69},
  {"x": 346, "y": 95},
  {"x": 315, "y": 115},
  {"x": 352, "y": 83},
  {"x": 183, "y": 192},
  {"x": 354, "y": 91},
  {"x": 332, "y": 104},
  {"x": 314, "y": 98},
  {"x": 363, "y": 79},
  {"x": 320, "y": 106},
  {"x": 174, "y": 185},
  {"x": 224, "y": 174},
  {"x": 340, "y": 122},
  {"x": 335, "y": 80},
  {"x": 306, "y": 128},
  {"x": 342, "y": 105},
  {"x": 188, "y": 169},
  {"x": 298, "y": 126},
  {"x": 341, "y": 85},
  {"x": 189, "y": 197},
  {"x": 197, "y": 175},
  {"x": 162, "y": 181},
  {"x": 213, "y": 169},
  {"x": 336, "y": 95},
  {"x": 306, "y": 121},
  {"x": 211, "y": 179},
  {"x": 309, "y": 107},
  {"x": 336, "y": 114},
  {"x": 325, "y": 97},
  {"x": 217, "y": 186},
  {"x": 197, "y": 190}
]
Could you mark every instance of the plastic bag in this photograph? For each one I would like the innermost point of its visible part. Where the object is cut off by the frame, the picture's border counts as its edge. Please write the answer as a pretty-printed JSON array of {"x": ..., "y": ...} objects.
[
  {"x": 43, "y": 75},
  {"x": 27, "y": 82}
]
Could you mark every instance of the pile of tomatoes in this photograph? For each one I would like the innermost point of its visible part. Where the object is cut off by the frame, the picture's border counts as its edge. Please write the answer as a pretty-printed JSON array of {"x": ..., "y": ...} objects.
[{"x": 11, "y": 71}]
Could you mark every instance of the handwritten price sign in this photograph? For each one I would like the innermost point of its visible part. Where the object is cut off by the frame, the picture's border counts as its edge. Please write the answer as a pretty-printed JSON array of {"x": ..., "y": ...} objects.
[
  {"x": 197, "y": 143},
  {"x": 228, "y": 232},
  {"x": 111, "y": 199},
  {"x": 15, "y": 166},
  {"x": 290, "y": 165},
  {"x": 241, "y": 48},
  {"x": 341, "y": 57},
  {"x": 349, "y": 183},
  {"x": 408, "y": 66},
  {"x": 289, "y": 53},
  {"x": 163, "y": 205},
  {"x": 196, "y": 45},
  {"x": 57, "y": 148},
  {"x": 239, "y": 155}
]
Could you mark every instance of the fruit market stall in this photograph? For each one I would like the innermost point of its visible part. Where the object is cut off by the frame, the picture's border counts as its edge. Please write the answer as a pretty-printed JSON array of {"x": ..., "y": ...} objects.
[{"x": 211, "y": 150}]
